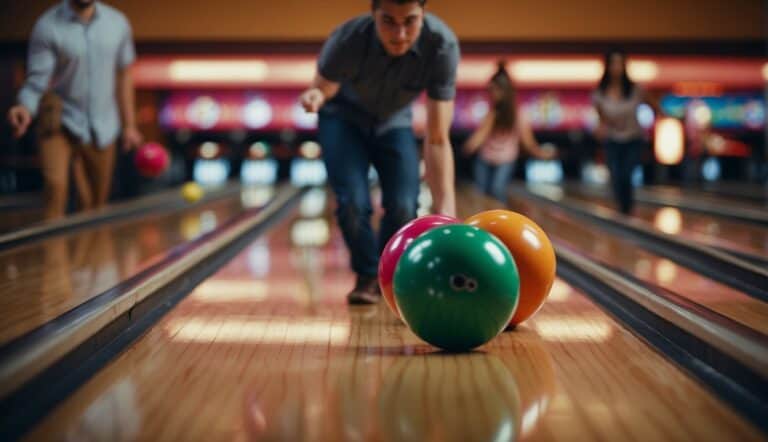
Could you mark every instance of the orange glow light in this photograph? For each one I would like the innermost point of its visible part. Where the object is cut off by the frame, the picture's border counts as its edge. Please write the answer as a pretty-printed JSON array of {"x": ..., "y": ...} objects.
[
  {"x": 698, "y": 88},
  {"x": 218, "y": 71},
  {"x": 642, "y": 71},
  {"x": 567, "y": 71},
  {"x": 669, "y": 141}
]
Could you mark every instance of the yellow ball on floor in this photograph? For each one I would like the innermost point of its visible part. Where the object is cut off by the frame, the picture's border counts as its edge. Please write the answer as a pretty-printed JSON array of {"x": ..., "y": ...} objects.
[{"x": 192, "y": 192}]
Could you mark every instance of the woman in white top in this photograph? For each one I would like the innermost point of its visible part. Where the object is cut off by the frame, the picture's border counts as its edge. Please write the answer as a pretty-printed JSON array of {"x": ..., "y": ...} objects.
[
  {"x": 498, "y": 137},
  {"x": 616, "y": 100}
]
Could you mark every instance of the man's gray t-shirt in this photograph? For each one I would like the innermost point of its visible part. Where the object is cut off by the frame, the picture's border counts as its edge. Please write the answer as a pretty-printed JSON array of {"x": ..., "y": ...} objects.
[{"x": 377, "y": 89}]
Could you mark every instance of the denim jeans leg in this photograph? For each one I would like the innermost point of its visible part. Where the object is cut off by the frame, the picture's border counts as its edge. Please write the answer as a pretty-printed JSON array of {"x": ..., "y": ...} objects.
[
  {"x": 613, "y": 160},
  {"x": 622, "y": 158},
  {"x": 482, "y": 175},
  {"x": 396, "y": 158},
  {"x": 345, "y": 153},
  {"x": 500, "y": 180}
]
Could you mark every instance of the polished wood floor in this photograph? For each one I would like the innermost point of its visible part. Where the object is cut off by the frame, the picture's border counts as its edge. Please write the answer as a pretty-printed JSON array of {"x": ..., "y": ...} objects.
[
  {"x": 49, "y": 277},
  {"x": 729, "y": 234},
  {"x": 19, "y": 218},
  {"x": 266, "y": 349},
  {"x": 635, "y": 260}
]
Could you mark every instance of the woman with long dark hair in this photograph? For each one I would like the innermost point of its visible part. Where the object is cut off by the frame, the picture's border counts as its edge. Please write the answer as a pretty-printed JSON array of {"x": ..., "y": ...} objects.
[
  {"x": 499, "y": 136},
  {"x": 616, "y": 100}
]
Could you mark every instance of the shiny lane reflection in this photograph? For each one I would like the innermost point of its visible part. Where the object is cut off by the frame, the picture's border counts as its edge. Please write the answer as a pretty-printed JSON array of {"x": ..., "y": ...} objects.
[
  {"x": 711, "y": 230},
  {"x": 314, "y": 232},
  {"x": 669, "y": 220},
  {"x": 44, "y": 279},
  {"x": 441, "y": 397},
  {"x": 632, "y": 258},
  {"x": 567, "y": 328},
  {"x": 263, "y": 330},
  {"x": 435, "y": 397},
  {"x": 113, "y": 416},
  {"x": 256, "y": 196},
  {"x": 313, "y": 203}
]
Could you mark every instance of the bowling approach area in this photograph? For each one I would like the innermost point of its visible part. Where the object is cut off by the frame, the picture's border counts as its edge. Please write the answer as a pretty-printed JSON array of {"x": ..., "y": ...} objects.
[{"x": 225, "y": 319}]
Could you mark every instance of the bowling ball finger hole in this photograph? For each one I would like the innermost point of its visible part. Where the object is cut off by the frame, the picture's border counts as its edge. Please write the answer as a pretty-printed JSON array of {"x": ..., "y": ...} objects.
[
  {"x": 461, "y": 282},
  {"x": 458, "y": 282}
]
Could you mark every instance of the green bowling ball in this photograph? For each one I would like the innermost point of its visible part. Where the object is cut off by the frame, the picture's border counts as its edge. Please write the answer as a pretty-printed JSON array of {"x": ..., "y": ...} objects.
[{"x": 456, "y": 287}]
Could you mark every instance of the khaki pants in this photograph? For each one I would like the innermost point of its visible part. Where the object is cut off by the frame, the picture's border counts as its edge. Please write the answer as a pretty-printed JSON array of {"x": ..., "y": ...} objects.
[{"x": 92, "y": 168}]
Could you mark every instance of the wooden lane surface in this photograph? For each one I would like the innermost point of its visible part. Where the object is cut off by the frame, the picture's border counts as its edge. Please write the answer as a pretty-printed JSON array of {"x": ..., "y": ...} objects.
[
  {"x": 42, "y": 280},
  {"x": 159, "y": 201},
  {"x": 710, "y": 230},
  {"x": 23, "y": 363},
  {"x": 745, "y": 212},
  {"x": 749, "y": 195},
  {"x": 267, "y": 350},
  {"x": 19, "y": 217},
  {"x": 646, "y": 266},
  {"x": 19, "y": 210}
]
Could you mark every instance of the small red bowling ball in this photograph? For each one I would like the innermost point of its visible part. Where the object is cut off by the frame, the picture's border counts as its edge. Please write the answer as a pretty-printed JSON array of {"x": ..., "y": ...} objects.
[{"x": 151, "y": 160}]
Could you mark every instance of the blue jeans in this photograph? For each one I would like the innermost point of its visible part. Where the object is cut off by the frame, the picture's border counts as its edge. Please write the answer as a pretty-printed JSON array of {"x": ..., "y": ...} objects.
[
  {"x": 622, "y": 157},
  {"x": 348, "y": 152},
  {"x": 493, "y": 179}
]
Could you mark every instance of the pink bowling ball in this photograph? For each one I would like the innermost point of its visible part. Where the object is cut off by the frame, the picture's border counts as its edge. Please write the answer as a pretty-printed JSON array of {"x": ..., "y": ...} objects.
[
  {"x": 151, "y": 160},
  {"x": 397, "y": 245}
]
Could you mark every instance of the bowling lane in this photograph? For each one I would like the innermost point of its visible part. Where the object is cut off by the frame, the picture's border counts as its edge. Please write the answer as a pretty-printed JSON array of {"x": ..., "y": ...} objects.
[
  {"x": 266, "y": 349},
  {"x": 710, "y": 230},
  {"x": 19, "y": 218},
  {"x": 748, "y": 194},
  {"x": 20, "y": 211},
  {"x": 41, "y": 280},
  {"x": 631, "y": 258}
]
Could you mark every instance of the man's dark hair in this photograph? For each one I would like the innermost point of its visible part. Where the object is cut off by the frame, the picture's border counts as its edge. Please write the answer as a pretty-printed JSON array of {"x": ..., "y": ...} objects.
[{"x": 376, "y": 3}]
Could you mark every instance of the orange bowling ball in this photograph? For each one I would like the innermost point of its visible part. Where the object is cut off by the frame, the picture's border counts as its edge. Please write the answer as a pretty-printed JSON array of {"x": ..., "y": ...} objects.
[{"x": 533, "y": 253}]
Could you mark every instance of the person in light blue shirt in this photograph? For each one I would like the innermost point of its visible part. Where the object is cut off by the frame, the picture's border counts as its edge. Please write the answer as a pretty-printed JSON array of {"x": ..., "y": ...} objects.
[{"x": 79, "y": 85}]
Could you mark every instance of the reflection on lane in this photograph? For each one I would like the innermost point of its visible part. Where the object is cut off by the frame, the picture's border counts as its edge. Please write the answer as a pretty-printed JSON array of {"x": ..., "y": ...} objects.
[
  {"x": 44, "y": 279},
  {"x": 737, "y": 194},
  {"x": 15, "y": 218},
  {"x": 706, "y": 229},
  {"x": 256, "y": 196},
  {"x": 633, "y": 259},
  {"x": 668, "y": 220},
  {"x": 264, "y": 330},
  {"x": 567, "y": 328}
]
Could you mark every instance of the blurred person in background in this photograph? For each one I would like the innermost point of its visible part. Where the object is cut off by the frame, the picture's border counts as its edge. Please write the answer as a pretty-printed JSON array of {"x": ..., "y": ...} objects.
[
  {"x": 616, "y": 100},
  {"x": 498, "y": 138},
  {"x": 79, "y": 87}
]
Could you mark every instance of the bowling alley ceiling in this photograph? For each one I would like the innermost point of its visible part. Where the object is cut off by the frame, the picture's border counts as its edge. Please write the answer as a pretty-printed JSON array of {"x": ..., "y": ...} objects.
[{"x": 478, "y": 20}]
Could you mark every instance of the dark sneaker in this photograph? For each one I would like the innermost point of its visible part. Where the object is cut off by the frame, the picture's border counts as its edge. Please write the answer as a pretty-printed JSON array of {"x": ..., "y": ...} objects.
[{"x": 366, "y": 291}]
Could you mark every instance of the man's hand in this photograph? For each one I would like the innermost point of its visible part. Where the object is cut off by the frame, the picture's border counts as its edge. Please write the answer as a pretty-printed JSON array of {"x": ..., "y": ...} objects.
[
  {"x": 19, "y": 118},
  {"x": 312, "y": 100},
  {"x": 131, "y": 138}
]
